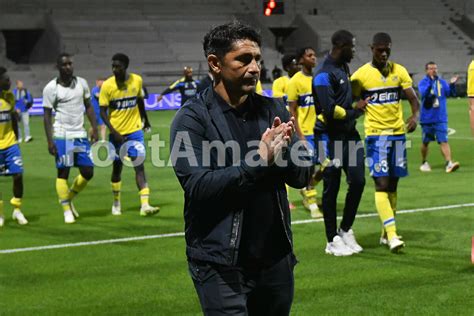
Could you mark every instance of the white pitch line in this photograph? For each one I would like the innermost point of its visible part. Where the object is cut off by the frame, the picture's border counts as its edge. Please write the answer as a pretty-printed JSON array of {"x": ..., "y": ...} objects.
[{"x": 180, "y": 234}]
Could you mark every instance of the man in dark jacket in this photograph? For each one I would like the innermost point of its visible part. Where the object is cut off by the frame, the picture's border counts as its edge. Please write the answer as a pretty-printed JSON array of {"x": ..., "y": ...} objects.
[
  {"x": 231, "y": 151},
  {"x": 336, "y": 133}
]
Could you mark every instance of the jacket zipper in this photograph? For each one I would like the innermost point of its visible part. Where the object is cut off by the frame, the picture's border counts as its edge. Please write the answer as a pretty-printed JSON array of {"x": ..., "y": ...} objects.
[{"x": 233, "y": 237}]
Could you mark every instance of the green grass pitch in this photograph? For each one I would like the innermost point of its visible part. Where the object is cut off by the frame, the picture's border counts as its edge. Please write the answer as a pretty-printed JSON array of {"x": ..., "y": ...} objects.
[{"x": 433, "y": 276}]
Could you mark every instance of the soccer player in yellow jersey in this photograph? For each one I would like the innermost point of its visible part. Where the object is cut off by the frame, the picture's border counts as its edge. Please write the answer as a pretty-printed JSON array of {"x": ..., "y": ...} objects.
[
  {"x": 11, "y": 163},
  {"x": 280, "y": 85},
  {"x": 383, "y": 81},
  {"x": 122, "y": 109},
  {"x": 300, "y": 101},
  {"x": 470, "y": 93}
]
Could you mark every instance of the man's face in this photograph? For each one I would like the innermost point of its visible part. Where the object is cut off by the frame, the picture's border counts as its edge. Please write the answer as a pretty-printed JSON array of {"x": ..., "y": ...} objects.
[
  {"x": 19, "y": 84},
  {"x": 348, "y": 51},
  {"x": 381, "y": 53},
  {"x": 65, "y": 67},
  {"x": 119, "y": 69},
  {"x": 308, "y": 60},
  {"x": 188, "y": 73},
  {"x": 293, "y": 68},
  {"x": 99, "y": 83},
  {"x": 5, "y": 83},
  {"x": 240, "y": 68},
  {"x": 432, "y": 70}
]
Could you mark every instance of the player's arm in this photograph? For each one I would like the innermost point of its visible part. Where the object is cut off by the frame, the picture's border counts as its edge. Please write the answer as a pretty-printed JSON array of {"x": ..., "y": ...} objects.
[
  {"x": 175, "y": 86},
  {"x": 323, "y": 91},
  {"x": 415, "y": 109},
  {"x": 452, "y": 86},
  {"x": 92, "y": 119},
  {"x": 49, "y": 101},
  {"x": 143, "y": 114},
  {"x": 14, "y": 118},
  {"x": 48, "y": 128},
  {"x": 104, "y": 102}
]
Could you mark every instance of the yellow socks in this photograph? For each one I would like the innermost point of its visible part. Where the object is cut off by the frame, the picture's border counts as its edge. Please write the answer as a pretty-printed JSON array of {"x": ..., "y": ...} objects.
[
  {"x": 78, "y": 185},
  {"x": 62, "y": 189},
  {"x": 16, "y": 203},
  {"x": 144, "y": 196},
  {"x": 392, "y": 196},
  {"x": 116, "y": 187},
  {"x": 384, "y": 208}
]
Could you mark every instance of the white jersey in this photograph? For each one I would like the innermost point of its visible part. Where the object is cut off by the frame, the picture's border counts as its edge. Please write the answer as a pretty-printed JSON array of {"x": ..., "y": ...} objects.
[{"x": 68, "y": 102}]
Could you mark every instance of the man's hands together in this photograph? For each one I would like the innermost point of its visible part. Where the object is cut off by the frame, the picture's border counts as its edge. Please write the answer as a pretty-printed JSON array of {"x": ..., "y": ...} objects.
[{"x": 276, "y": 139}]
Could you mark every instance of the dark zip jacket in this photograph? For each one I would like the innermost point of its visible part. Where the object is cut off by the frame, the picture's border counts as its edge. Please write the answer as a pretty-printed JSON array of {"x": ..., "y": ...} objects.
[{"x": 212, "y": 185}]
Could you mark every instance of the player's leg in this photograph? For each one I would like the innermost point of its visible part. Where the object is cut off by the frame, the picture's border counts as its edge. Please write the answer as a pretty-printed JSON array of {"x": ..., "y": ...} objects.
[
  {"x": 354, "y": 168},
  {"x": 116, "y": 182},
  {"x": 137, "y": 152},
  {"x": 25, "y": 119},
  {"x": 309, "y": 193},
  {"x": 442, "y": 137},
  {"x": 83, "y": 161},
  {"x": 427, "y": 137},
  {"x": 14, "y": 165},
  {"x": 62, "y": 190},
  {"x": 17, "y": 199}
]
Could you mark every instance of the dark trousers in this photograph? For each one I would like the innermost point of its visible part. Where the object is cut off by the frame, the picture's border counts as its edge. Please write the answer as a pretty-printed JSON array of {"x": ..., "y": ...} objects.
[
  {"x": 347, "y": 155},
  {"x": 225, "y": 290}
]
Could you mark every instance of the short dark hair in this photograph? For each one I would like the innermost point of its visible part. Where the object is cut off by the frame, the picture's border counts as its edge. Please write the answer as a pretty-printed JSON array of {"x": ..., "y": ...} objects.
[
  {"x": 219, "y": 40},
  {"x": 59, "y": 60},
  {"x": 287, "y": 59},
  {"x": 429, "y": 63},
  {"x": 341, "y": 38},
  {"x": 3, "y": 70},
  {"x": 121, "y": 58},
  {"x": 301, "y": 51},
  {"x": 381, "y": 39}
]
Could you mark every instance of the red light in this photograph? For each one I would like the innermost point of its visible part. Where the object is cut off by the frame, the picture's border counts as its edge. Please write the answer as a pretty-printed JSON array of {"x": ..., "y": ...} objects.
[
  {"x": 268, "y": 11},
  {"x": 272, "y": 4}
]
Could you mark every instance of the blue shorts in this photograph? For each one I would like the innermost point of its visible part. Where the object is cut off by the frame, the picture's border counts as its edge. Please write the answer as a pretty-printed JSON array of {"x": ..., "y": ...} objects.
[
  {"x": 11, "y": 161},
  {"x": 133, "y": 145},
  {"x": 434, "y": 131},
  {"x": 74, "y": 152},
  {"x": 322, "y": 147},
  {"x": 312, "y": 148},
  {"x": 386, "y": 156}
]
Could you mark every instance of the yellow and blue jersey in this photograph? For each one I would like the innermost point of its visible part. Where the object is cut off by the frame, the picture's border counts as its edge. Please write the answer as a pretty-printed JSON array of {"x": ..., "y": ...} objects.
[
  {"x": 470, "y": 80},
  {"x": 384, "y": 112},
  {"x": 280, "y": 87},
  {"x": 122, "y": 103},
  {"x": 300, "y": 91},
  {"x": 7, "y": 108},
  {"x": 259, "y": 88}
]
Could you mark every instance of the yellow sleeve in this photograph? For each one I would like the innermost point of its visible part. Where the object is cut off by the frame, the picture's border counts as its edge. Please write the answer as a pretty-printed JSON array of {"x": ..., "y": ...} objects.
[
  {"x": 104, "y": 99},
  {"x": 278, "y": 88},
  {"x": 470, "y": 80},
  {"x": 259, "y": 88},
  {"x": 292, "y": 90},
  {"x": 405, "y": 79},
  {"x": 173, "y": 85},
  {"x": 10, "y": 98},
  {"x": 140, "y": 86},
  {"x": 356, "y": 84},
  {"x": 339, "y": 113}
]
